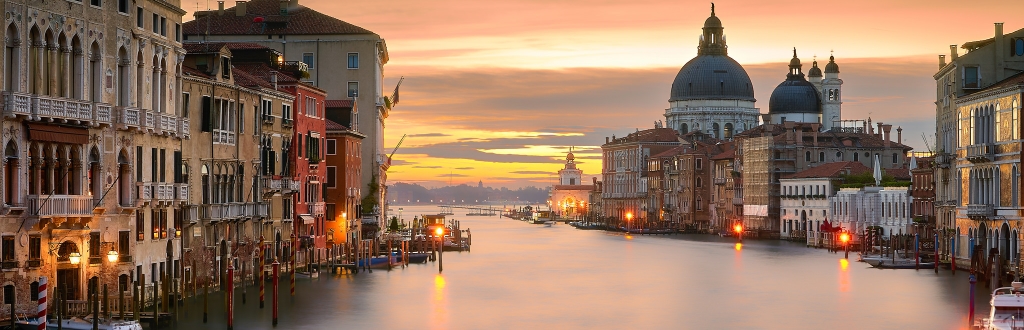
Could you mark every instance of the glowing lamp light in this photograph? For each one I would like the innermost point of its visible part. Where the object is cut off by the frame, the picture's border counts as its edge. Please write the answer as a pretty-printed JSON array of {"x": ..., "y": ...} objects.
[
  {"x": 629, "y": 216},
  {"x": 738, "y": 228},
  {"x": 75, "y": 258},
  {"x": 112, "y": 256},
  {"x": 439, "y": 231},
  {"x": 844, "y": 237}
]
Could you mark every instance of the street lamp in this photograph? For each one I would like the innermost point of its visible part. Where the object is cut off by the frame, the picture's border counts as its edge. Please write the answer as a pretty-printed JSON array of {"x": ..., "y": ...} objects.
[
  {"x": 629, "y": 218},
  {"x": 75, "y": 258},
  {"x": 440, "y": 250},
  {"x": 112, "y": 256}
]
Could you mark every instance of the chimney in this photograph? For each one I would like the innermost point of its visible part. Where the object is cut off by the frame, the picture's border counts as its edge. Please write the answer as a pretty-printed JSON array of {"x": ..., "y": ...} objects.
[
  {"x": 273, "y": 79},
  {"x": 869, "y": 129},
  {"x": 800, "y": 136},
  {"x": 606, "y": 140},
  {"x": 815, "y": 127},
  {"x": 879, "y": 132},
  {"x": 220, "y": 7},
  {"x": 887, "y": 130},
  {"x": 999, "y": 54},
  {"x": 240, "y": 8},
  {"x": 942, "y": 61},
  {"x": 899, "y": 134},
  {"x": 952, "y": 53}
]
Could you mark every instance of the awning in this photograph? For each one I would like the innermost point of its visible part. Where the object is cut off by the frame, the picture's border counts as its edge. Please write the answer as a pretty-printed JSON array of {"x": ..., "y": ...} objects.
[
  {"x": 306, "y": 219},
  {"x": 59, "y": 134}
]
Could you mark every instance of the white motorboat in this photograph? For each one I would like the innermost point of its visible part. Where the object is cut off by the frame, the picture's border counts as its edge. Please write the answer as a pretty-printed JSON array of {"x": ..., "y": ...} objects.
[{"x": 1007, "y": 312}]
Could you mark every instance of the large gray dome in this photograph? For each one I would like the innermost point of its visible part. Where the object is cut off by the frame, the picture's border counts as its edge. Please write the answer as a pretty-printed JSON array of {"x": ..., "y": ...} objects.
[
  {"x": 715, "y": 77},
  {"x": 795, "y": 95}
]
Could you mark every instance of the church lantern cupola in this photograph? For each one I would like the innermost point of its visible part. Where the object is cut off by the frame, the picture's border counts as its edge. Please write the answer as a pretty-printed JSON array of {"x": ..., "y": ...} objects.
[{"x": 712, "y": 42}]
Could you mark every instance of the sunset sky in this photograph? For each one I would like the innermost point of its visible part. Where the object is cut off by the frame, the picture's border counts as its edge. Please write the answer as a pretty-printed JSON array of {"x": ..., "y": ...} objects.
[{"x": 498, "y": 90}]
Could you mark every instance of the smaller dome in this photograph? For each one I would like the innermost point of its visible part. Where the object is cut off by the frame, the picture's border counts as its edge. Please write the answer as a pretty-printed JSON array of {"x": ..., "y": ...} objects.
[
  {"x": 795, "y": 61},
  {"x": 570, "y": 157},
  {"x": 831, "y": 67},
  {"x": 795, "y": 95},
  {"x": 713, "y": 22},
  {"x": 815, "y": 71}
]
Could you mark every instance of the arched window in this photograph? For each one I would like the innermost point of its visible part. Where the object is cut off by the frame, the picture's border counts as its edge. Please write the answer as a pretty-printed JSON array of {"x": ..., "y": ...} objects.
[
  {"x": 35, "y": 44},
  {"x": 95, "y": 170},
  {"x": 683, "y": 128},
  {"x": 839, "y": 155},
  {"x": 124, "y": 178},
  {"x": 807, "y": 156},
  {"x": 728, "y": 130},
  {"x": 205, "y": 173},
  {"x": 123, "y": 77},
  {"x": 96, "y": 72},
  {"x": 77, "y": 69},
  {"x": 698, "y": 184},
  {"x": 12, "y": 59},
  {"x": 140, "y": 76},
  {"x": 11, "y": 195},
  {"x": 856, "y": 157},
  {"x": 63, "y": 52},
  {"x": 821, "y": 156},
  {"x": 715, "y": 131},
  {"x": 156, "y": 87}
]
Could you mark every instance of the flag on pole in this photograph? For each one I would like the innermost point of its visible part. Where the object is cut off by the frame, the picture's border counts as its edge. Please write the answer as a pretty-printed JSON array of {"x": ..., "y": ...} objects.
[{"x": 394, "y": 96}]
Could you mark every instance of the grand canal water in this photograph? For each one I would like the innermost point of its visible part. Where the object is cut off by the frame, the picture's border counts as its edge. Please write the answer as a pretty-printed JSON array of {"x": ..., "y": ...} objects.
[{"x": 523, "y": 276}]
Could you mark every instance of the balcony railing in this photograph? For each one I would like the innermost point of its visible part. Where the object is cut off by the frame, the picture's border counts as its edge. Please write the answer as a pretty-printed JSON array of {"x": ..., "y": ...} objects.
[
  {"x": 287, "y": 122},
  {"x": 316, "y": 209},
  {"x": 60, "y": 205},
  {"x": 982, "y": 152},
  {"x": 149, "y": 120},
  {"x": 737, "y": 201},
  {"x": 168, "y": 124},
  {"x": 158, "y": 192},
  {"x": 268, "y": 119},
  {"x": 223, "y": 137},
  {"x": 183, "y": 127},
  {"x": 980, "y": 211},
  {"x": 102, "y": 114},
  {"x": 128, "y": 117},
  {"x": 181, "y": 192},
  {"x": 17, "y": 104},
  {"x": 271, "y": 184},
  {"x": 294, "y": 185},
  {"x": 719, "y": 180},
  {"x": 218, "y": 212}
]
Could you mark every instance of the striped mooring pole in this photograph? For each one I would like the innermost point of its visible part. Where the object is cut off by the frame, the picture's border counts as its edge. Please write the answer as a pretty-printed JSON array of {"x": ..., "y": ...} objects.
[
  {"x": 42, "y": 303},
  {"x": 295, "y": 246},
  {"x": 231, "y": 296}
]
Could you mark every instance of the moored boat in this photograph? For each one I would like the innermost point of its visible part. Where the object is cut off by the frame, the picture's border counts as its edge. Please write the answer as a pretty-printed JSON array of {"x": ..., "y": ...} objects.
[{"x": 1007, "y": 308}]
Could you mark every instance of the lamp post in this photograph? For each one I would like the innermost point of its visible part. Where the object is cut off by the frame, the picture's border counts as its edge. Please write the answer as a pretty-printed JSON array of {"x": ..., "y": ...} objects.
[
  {"x": 440, "y": 249},
  {"x": 629, "y": 219}
]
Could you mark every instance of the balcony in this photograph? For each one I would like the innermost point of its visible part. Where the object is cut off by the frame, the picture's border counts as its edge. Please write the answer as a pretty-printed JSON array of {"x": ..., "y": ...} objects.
[
  {"x": 168, "y": 124},
  {"x": 980, "y": 211},
  {"x": 233, "y": 211},
  {"x": 60, "y": 205},
  {"x": 149, "y": 120},
  {"x": 268, "y": 119},
  {"x": 982, "y": 152},
  {"x": 271, "y": 185},
  {"x": 719, "y": 181},
  {"x": 737, "y": 201},
  {"x": 181, "y": 193},
  {"x": 183, "y": 128},
  {"x": 16, "y": 104},
  {"x": 944, "y": 159},
  {"x": 127, "y": 118},
  {"x": 60, "y": 109},
  {"x": 287, "y": 122},
  {"x": 223, "y": 137},
  {"x": 157, "y": 192},
  {"x": 102, "y": 114},
  {"x": 316, "y": 209},
  {"x": 288, "y": 184}
]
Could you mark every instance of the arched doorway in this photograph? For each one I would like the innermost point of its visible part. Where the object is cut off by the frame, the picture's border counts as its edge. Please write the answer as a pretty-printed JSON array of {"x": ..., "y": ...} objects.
[
  {"x": 982, "y": 241},
  {"x": 1004, "y": 242},
  {"x": 68, "y": 276},
  {"x": 803, "y": 216}
]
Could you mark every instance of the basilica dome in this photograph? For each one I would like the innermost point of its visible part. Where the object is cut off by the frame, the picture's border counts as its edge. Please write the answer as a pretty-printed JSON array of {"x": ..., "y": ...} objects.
[
  {"x": 795, "y": 94},
  {"x": 712, "y": 75}
]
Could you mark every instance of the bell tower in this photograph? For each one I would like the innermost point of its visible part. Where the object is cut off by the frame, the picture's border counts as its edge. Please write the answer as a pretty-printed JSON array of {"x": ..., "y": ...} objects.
[
  {"x": 712, "y": 42},
  {"x": 831, "y": 100},
  {"x": 570, "y": 175}
]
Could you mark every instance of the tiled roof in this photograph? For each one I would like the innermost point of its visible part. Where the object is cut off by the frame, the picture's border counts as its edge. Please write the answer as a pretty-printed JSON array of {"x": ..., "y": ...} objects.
[
  {"x": 1017, "y": 79},
  {"x": 194, "y": 72},
  {"x": 298, "y": 20},
  {"x": 728, "y": 151},
  {"x": 831, "y": 170},
  {"x": 200, "y": 47},
  {"x": 262, "y": 71},
  {"x": 333, "y": 126},
  {"x": 572, "y": 187},
  {"x": 648, "y": 135},
  {"x": 671, "y": 152},
  {"x": 338, "y": 103},
  {"x": 243, "y": 78}
]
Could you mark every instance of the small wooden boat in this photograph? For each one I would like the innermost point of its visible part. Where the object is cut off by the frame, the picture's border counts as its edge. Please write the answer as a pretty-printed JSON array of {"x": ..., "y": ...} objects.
[
  {"x": 418, "y": 258},
  {"x": 900, "y": 264},
  {"x": 76, "y": 323}
]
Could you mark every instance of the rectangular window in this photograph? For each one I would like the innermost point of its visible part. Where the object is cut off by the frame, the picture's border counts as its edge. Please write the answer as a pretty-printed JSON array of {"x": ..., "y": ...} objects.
[
  {"x": 124, "y": 243},
  {"x": 286, "y": 111},
  {"x": 154, "y": 222},
  {"x": 332, "y": 147},
  {"x": 353, "y": 60},
  {"x": 286, "y": 212},
  {"x": 35, "y": 246},
  {"x": 163, "y": 165},
  {"x": 308, "y": 59},
  {"x": 140, "y": 225},
  {"x": 138, "y": 164},
  {"x": 163, "y": 26},
  {"x": 156, "y": 23},
  {"x": 206, "y": 113},
  {"x": 138, "y": 18},
  {"x": 332, "y": 174},
  {"x": 241, "y": 118},
  {"x": 94, "y": 248},
  {"x": 153, "y": 165},
  {"x": 96, "y": 3},
  {"x": 185, "y": 99},
  {"x": 972, "y": 78},
  {"x": 8, "y": 249},
  {"x": 177, "y": 32},
  {"x": 353, "y": 88},
  {"x": 122, "y": 6},
  {"x": 163, "y": 223},
  {"x": 330, "y": 212}
]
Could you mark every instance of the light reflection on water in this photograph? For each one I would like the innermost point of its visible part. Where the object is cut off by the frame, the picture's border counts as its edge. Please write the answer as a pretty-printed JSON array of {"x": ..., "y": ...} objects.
[{"x": 521, "y": 276}]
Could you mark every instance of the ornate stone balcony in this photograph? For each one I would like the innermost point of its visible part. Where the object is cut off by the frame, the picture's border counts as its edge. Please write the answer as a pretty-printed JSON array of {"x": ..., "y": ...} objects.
[
  {"x": 128, "y": 117},
  {"x": 181, "y": 192},
  {"x": 158, "y": 192},
  {"x": 17, "y": 104},
  {"x": 316, "y": 209},
  {"x": 232, "y": 211},
  {"x": 168, "y": 124},
  {"x": 149, "y": 120},
  {"x": 981, "y": 152},
  {"x": 102, "y": 114},
  {"x": 271, "y": 184},
  {"x": 223, "y": 137},
  {"x": 60, "y": 205},
  {"x": 719, "y": 180},
  {"x": 980, "y": 211}
]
